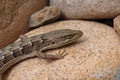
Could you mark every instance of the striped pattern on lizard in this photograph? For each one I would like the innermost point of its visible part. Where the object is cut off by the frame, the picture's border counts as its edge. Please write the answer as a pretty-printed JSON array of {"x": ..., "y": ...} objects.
[{"x": 24, "y": 48}]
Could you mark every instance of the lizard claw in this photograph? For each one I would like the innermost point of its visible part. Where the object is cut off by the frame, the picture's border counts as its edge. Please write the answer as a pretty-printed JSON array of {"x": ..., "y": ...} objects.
[{"x": 61, "y": 54}]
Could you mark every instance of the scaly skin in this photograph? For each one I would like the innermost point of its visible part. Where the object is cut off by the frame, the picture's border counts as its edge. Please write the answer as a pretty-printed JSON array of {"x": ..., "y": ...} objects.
[{"x": 25, "y": 48}]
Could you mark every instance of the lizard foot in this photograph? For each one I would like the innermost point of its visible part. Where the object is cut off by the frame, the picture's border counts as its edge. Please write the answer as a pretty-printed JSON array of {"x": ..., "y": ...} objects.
[
  {"x": 61, "y": 54},
  {"x": 58, "y": 55}
]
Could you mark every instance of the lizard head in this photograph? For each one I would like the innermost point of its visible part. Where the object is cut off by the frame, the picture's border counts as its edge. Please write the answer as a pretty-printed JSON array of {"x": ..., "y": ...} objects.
[{"x": 59, "y": 38}]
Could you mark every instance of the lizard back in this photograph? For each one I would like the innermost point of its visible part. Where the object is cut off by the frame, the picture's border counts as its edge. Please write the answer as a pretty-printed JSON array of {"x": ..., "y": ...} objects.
[
  {"x": 23, "y": 48},
  {"x": 16, "y": 50}
]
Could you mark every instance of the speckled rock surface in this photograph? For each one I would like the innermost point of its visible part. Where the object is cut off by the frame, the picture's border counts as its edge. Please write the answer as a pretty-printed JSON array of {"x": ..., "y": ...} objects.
[
  {"x": 44, "y": 16},
  {"x": 14, "y": 18},
  {"x": 93, "y": 57},
  {"x": 117, "y": 24},
  {"x": 88, "y": 9}
]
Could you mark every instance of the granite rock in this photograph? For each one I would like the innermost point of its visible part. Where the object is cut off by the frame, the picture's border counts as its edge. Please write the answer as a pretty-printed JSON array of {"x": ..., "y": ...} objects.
[
  {"x": 95, "y": 56},
  {"x": 117, "y": 24},
  {"x": 87, "y": 9},
  {"x": 44, "y": 16},
  {"x": 14, "y": 18}
]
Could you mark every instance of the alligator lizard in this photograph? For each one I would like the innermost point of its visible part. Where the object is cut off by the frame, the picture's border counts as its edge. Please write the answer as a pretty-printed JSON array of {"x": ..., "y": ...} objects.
[{"x": 23, "y": 49}]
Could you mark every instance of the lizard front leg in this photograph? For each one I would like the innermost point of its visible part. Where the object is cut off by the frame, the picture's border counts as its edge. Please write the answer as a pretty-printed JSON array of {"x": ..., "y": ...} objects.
[{"x": 58, "y": 55}]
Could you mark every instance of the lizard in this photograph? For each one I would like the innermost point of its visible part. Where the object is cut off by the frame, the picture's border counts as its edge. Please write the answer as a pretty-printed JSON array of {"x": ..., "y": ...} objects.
[{"x": 23, "y": 49}]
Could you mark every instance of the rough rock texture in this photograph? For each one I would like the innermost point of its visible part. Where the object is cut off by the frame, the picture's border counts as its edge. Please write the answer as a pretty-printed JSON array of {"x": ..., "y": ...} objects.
[
  {"x": 117, "y": 77},
  {"x": 46, "y": 15},
  {"x": 88, "y": 9},
  {"x": 14, "y": 18},
  {"x": 117, "y": 24},
  {"x": 93, "y": 57}
]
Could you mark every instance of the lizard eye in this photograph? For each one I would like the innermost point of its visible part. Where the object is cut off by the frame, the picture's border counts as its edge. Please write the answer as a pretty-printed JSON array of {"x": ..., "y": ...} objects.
[
  {"x": 53, "y": 42},
  {"x": 68, "y": 36}
]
